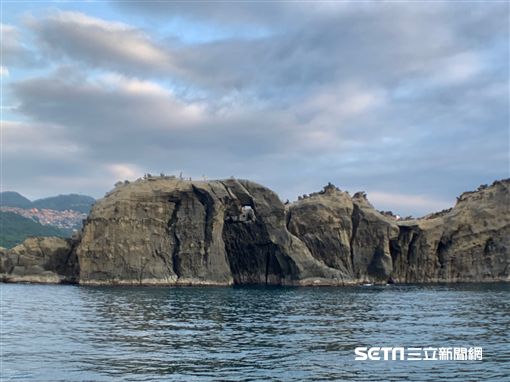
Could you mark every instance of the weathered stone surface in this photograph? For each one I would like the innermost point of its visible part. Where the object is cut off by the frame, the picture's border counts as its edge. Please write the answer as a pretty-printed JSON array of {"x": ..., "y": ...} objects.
[
  {"x": 471, "y": 242},
  {"x": 168, "y": 231},
  {"x": 40, "y": 260},
  {"x": 345, "y": 233}
]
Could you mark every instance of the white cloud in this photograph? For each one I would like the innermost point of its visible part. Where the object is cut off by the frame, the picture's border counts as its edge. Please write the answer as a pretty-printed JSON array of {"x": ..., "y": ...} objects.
[
  {"x": 340, "y": 101},
  {"x": 100, "y": 42},
  {"x": 21, "y": 138},
  {"x": 366, "y": 95},
  {"x": 14, "y": 51},
  {"x": 457, "y": 69},
  {"x": 81, "y": 19},
  {"x": 125, "y": 171},
  {"x": 134, "y": 86}
]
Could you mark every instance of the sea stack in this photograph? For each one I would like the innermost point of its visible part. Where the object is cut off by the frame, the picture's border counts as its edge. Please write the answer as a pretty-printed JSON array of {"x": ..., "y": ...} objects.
[{"x": 171, "y": 231}]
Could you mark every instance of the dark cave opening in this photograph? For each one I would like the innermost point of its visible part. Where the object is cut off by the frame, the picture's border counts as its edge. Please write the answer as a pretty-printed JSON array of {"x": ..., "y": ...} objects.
[{"x": 253, "y": 257}]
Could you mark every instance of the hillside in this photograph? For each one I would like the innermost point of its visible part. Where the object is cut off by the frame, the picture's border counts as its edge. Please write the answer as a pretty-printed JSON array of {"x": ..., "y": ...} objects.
[
  {"x": 75, "y": 202},
  {"x": 14, "y": 199},
  {"x": 14, "y": 229}
]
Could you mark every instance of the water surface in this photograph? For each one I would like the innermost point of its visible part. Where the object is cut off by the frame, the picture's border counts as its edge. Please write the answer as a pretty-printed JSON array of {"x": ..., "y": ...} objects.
[{"x": 74, "y": 333}]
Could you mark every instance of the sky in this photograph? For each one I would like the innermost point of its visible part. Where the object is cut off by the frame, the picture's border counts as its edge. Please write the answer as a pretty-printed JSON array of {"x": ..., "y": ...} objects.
[{"x": 408, "y": 101}]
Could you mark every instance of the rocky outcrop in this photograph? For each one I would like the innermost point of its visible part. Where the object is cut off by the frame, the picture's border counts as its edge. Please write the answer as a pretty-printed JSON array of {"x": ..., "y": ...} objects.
[
  {"x": 40, "y": 260},
  {"x": 470, "y": 242},
  {"x": 346, "y": 233},
  {"x": 168, "y": 231}
]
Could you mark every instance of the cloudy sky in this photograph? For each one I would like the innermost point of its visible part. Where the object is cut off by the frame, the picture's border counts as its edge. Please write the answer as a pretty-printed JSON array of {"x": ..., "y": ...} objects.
[{"x": 408, "y": 101}]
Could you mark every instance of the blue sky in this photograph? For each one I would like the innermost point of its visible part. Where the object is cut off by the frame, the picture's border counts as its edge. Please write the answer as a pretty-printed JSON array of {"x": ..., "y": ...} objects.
[{"x": 408, "y": 101}]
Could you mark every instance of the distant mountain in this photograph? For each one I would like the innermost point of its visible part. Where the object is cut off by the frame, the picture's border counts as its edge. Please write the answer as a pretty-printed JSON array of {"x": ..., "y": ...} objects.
[
  {"x": 14, "y": 199},
  {"x": 75, "y": 202},
  {"x": 15, "y": 229}
]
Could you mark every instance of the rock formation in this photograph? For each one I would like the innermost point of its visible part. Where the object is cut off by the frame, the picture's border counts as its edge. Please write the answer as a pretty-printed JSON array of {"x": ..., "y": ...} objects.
[
  {"x": 40, "y": 260},
  {"x": 470, "y": 242},
  {"x": 345, "y": 233},
  {"x": 168, "y": 231},
  {"x": 171, "y": 231}
]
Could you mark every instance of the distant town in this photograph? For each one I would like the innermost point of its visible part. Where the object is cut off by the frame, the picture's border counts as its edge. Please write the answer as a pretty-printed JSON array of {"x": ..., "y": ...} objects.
[{"x": 67, "y": 219}]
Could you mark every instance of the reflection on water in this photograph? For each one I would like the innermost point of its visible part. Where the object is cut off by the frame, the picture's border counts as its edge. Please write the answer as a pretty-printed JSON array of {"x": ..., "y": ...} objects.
[{"x": 71, "y": 333}]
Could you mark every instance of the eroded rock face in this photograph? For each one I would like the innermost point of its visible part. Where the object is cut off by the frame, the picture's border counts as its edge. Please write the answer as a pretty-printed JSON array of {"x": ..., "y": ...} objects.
[
  {"x": 346, "y": 233},
  {"x": 40, "y": 260},
  {"x": 471, "y": 242},
  {"x": 170, "y": 231},
  {"x": 167, "y": 231}
]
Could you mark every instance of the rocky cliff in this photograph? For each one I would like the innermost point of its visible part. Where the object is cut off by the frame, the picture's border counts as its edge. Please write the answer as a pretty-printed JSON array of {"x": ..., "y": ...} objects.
[
  {"x": 171, "y": 231},
  {"x": 168, "y": 231},
  {"x": 470, "y": 242},
  {"x": 345, "y": 233}
]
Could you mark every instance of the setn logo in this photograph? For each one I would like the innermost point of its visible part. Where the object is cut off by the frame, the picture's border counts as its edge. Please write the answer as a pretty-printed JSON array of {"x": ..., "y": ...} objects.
[{"x": 375, "y": 353}]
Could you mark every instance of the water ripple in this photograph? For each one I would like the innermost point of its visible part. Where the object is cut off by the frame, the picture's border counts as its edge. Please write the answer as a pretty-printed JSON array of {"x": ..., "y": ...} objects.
[{"x": 71, "y": 333}]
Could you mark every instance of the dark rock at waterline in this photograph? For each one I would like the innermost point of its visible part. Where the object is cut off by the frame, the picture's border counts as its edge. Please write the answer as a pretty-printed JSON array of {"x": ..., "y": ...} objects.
[
  {"x": 346, "y": 233},
  {"x": 468, "y": 243},
  {"x": 168, "y": 231},
  {"x": 40, "y": 260}
]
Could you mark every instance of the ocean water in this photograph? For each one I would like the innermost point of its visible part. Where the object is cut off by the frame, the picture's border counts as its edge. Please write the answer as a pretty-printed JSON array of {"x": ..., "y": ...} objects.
[{"x": 73, "y": 333}]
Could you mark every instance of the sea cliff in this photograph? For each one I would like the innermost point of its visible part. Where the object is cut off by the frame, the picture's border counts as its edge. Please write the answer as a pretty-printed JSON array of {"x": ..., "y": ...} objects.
[{"x": 169, "y": 231}]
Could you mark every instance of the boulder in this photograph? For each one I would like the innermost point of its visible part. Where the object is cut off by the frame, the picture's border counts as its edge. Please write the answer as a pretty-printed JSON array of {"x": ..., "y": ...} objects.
[{"x": 40, "y": 260}]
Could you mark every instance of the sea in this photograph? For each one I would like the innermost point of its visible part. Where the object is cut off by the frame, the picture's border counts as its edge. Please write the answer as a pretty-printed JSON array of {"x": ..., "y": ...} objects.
[{"x": 76, "y": 333}]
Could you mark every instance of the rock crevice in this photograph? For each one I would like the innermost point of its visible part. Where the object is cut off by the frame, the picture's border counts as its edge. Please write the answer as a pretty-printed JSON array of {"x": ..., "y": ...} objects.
[{"x": 166, "y": 231}]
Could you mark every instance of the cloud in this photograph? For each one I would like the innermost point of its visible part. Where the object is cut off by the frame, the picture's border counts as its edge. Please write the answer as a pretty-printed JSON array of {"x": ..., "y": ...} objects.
[
  {"x": 99, "y": 43},
  {"x": 381, "y": 97},
  {"x": 125, "y": 171},
  {"x": 115, "y": 103},
  {"x": 117, "y": 120},
  {"x": 13, "y": 50},
  {"x": 126, "y": 126},
  {"x": 39, "y": 154},
  {"x": 307, "y": 46},
  {"x": 237, "y": 13}
]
